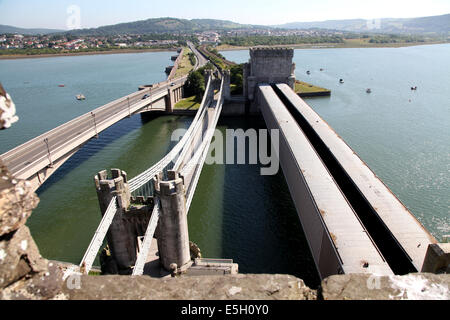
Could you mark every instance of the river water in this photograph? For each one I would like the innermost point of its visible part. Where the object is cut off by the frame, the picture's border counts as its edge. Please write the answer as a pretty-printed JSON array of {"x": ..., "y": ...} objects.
[
  {"x": 403, "y": 135},
  {"x": 233, "y": 214}
]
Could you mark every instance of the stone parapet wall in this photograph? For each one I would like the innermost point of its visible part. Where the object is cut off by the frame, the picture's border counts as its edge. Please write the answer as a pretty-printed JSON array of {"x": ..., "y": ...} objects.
[
  {"x": 24, "y": 274},
  {"x": 175, "y": 65}
]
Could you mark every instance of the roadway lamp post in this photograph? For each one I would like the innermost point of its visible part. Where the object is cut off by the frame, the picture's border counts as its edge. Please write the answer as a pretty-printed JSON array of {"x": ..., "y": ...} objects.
[
  {"x": 151, "y": 99},
  {"x": 48, "y": 153},
  {"x": 95, "y": 124}
]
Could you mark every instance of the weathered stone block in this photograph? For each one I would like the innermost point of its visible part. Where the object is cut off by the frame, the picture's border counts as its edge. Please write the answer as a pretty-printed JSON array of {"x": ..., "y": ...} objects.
[
  {"x": 19, "y": 257},
  {"x": 367, "y": 287},
  {"x": 238, "y": 287},
  {"x": 44, "y": 286},
  {"x": 17, "y": 200}
]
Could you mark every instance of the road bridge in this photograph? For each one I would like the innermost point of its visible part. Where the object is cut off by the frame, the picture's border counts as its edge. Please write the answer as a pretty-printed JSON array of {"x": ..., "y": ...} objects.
[
  {"x": 161, "y": 196},
  {"x": 352, "y": 221},
  {"x": 37, "y": 159}
]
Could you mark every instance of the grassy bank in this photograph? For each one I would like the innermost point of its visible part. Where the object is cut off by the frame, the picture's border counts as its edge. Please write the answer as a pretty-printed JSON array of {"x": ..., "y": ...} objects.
[
  {"x": 305, "y": 89},
  {"x": 188, "y": 104},
  {"x": 88, "y": 53},
  {"x": 185, "y": 66}
]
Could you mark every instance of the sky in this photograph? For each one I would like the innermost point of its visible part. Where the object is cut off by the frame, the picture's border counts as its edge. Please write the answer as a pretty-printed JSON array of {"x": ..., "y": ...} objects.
[{"x": 69, "y": 14}]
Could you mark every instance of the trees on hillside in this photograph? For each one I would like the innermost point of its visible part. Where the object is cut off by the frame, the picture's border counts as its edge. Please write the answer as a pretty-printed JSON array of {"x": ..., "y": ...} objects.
[{"x": 195, "y": 85}]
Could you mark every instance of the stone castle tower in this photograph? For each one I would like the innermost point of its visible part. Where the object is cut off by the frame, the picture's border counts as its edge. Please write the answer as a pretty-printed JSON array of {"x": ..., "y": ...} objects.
[{"x": 268, "y": 65}]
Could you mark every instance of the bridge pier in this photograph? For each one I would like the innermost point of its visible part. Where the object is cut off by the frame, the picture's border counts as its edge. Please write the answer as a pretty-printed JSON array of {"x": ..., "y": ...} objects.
[
  {"x": 173, "y": 234},
  {"x": 170, "y": 103}
]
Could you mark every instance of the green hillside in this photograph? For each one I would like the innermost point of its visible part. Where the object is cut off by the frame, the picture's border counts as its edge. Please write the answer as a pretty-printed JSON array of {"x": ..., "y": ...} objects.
[{"x": 162, "y": 25}]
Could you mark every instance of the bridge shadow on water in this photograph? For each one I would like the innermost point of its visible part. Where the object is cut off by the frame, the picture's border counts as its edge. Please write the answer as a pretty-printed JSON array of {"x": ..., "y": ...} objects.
[
  {"x": 261, "y": 229},
  {"x": 95, "y": 145}
]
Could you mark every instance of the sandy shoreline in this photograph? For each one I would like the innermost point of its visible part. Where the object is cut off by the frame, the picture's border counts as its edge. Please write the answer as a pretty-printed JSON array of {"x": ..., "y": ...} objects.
[
  {"x": 73, "y": 54},
  {"x": 220, "y": 48}
]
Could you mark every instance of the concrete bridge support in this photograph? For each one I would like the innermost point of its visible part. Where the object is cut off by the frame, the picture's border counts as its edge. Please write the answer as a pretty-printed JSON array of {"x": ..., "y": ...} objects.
[
  {"x": 170, "y": 101},
  {"x": 173, "y": 97},
  {"x": 173, "y": 235}
]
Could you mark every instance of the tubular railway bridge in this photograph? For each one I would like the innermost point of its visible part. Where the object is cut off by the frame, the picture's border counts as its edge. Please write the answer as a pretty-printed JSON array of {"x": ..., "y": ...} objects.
[{"x": 353, "y": 222}]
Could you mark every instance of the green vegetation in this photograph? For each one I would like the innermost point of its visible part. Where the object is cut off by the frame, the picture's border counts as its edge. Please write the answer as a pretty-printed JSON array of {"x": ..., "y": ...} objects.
[
  {"x": 190, "y": 103},
  {"x": 185, "y": 65},
  {"x": 208, "y": 66},
  {"x": 33, "y": 52},
  {"x": 161, "y": 25},
  {"x": 195, "y": 85},
  {"x": 395, "y": 39},
  {"x": 306, "y": 88},
  {"x": 95, "y": 273},
  {"x": 260, "y": 40},
  {"x": 237, "y": 79},
  {"x": 192, "y": 58},
  {"x": 215, "y": 59}
]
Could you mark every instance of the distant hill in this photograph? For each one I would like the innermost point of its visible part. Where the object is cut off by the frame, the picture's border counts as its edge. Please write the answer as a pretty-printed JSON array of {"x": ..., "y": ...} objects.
[
  {"x": 434, "y": 24},
  {"x": 10, "y": 29},
  {"x": 163, "y": 25}
]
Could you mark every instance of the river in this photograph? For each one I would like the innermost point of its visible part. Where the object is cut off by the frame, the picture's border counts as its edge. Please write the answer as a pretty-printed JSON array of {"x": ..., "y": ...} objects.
[{"x": 233, "y": 214}]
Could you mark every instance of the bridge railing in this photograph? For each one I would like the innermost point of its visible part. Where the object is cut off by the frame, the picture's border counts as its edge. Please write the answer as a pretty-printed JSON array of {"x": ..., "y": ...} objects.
[
  {"x": 188, "y": 156},
  {"x": 99, "y": 236},
  {"x": 142, "y": 185},
  {"x": 141, "y": 182},
  {"x": 143, "y": 254},
  {"x": 85, "y": 123},
  {"x": 193, "y": 168},
  {"x": 190, "y": 143}
]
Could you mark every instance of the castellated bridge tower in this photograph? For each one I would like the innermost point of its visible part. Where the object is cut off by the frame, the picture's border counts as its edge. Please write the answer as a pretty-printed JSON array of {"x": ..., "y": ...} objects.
[
  {"x": 129, "y": 223},
  {"x": 126, "y": 233},
  {"x": 269, "y": 66}
]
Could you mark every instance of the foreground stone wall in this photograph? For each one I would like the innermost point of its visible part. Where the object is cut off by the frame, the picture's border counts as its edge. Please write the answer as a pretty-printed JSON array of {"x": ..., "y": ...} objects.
[
  {"x": 24, "y": 274},
  {"x": 7, "y": 110}
]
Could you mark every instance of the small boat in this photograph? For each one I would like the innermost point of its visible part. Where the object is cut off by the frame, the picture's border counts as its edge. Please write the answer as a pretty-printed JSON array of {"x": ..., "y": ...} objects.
[
  {"x": 341, "y": 80},
  {"x": 61, "y": 85},
  {"x": 321, "y": 69},
  {"x": 369, "y": 90},
  {"x": 81, "y": 97},
  {"x": 414, "y": 88},
  {"x": 308, "y": 72}
]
